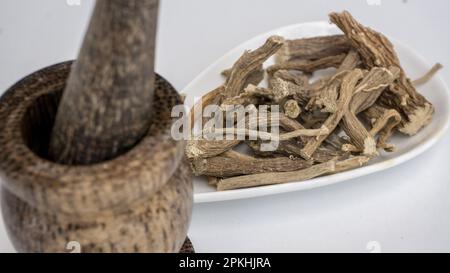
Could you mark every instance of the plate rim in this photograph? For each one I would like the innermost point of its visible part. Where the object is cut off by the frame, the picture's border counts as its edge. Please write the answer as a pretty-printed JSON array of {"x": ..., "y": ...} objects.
[{"x": 219, "y": 196}]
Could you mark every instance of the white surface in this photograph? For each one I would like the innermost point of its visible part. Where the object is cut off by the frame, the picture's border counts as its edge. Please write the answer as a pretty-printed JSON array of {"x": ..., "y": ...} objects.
[
  {"x": 406, "y": 148},
  {"x": 403, "y": 209}
]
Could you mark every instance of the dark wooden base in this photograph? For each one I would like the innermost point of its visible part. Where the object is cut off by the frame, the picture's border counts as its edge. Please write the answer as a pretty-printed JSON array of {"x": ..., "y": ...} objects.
[{"x": 187, "y": 247}]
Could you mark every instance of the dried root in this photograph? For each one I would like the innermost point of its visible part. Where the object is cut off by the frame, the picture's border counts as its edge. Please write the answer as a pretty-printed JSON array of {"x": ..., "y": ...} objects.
[
  {"x": 250, "y": 62},
  {"x": 313, "y": 48},
  {"x": 383, "y": 123},
  {"x": 345, "y": 96},
  {"x": 427, "y": 77},
  {"x": 308, "y": 66},
  {"x": 256, "y": 180},
  {"x": 232, "y": 163},
  {"x": 377, "y": 51}
]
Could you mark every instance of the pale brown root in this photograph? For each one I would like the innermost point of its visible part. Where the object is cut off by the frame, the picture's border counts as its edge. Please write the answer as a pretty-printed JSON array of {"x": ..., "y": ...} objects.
[
  {"x": 292, "y": 109},
  {"x": 232, "y": 163},
  {"x": 196, "y": 111},
  {"x": 313, "y": 48},
  {"x": 248, "y": 63},
  {"x": 383, "y": 123},
  {"x": 208, "y": 148},
  {"x": 377, "y": 51},
  {"x": 428, "y": 76},
  {"x": 308, "y": 66},
  {"x": 255, "y": 180},
  {"x": 266, "y": 136},
  {"x": 346, "y": 93}
]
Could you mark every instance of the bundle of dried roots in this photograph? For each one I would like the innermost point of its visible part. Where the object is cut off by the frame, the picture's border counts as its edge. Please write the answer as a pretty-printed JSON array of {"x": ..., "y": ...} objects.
[{"x": 328, "y": 124}]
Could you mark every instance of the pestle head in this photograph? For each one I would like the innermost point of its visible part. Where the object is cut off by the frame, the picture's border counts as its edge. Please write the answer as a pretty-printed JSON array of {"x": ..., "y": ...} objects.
[{"x": 106, "y": 107}]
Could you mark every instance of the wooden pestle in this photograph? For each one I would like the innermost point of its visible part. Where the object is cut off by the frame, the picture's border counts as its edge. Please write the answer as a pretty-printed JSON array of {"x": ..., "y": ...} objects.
[{"x": 106, "y": 107}]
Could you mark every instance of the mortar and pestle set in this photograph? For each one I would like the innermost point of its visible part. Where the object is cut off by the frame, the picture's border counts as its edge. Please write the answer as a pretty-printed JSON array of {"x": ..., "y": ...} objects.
[{"x": 86, "y": 153}]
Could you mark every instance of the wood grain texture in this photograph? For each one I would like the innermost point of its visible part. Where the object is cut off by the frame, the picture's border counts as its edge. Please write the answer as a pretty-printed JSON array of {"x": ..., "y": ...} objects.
[
  {"x": 106, "y": 107},
  {"x": 139, "y": 201},
  {"x": 155, "y": 223}
]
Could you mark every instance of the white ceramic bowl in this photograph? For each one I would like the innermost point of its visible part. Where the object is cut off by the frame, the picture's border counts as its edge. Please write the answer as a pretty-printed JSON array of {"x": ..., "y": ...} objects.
[{"x": 406, "y": 147}]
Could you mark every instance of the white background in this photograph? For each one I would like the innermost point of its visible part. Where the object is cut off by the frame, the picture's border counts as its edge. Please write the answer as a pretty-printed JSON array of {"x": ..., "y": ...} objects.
[{"x": 406, "y": 208}]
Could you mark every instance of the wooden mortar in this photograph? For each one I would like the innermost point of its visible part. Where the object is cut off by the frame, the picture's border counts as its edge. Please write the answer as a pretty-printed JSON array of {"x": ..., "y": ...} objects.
[{"x": 87, "y": 156}]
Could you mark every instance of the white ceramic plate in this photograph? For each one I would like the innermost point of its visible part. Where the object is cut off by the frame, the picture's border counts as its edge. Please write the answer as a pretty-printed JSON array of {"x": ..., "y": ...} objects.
[{"x": 407, "y": 148}]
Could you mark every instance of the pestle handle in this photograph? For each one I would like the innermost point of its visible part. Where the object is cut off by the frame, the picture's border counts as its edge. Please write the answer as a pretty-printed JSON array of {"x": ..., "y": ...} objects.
[{"x": 106, "y": 107}]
